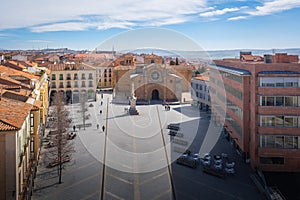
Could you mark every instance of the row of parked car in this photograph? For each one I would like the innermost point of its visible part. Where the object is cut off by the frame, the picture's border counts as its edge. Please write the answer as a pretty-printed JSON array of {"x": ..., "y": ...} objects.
[{"x": 211, "y": 164}]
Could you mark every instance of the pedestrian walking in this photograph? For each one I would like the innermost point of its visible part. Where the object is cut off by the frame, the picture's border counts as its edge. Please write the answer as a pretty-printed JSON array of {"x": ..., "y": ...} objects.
[
  {"x": 100, "y": 112},
  {"x": 103, "y": 128},
  {"x": 101, "y": 103},
  {"x": 97, "y": 126},
  {"x": 101, "y": 96},
  {"x": 74, "y": 128}
]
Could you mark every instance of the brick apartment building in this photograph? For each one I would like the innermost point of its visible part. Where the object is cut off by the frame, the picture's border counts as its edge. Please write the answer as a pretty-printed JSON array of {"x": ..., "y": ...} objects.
[{"x": 262, "y": 104}]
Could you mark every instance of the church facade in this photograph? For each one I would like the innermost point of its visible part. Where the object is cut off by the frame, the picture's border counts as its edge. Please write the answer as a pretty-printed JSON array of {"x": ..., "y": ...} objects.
[{"x": 150, "y": 80}]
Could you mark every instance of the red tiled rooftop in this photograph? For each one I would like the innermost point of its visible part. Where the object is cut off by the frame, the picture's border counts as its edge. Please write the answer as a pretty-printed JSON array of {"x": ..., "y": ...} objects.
[
  {"x": 13, "y": 113},
  {"x": 6, "y": 127},
  {"x": 202, "y": 78}
]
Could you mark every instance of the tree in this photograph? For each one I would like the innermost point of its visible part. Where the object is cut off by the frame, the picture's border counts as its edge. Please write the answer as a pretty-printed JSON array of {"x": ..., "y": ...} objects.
[
  {"x": 83, "y": 106},
  {"x": 61, "y": 148}
]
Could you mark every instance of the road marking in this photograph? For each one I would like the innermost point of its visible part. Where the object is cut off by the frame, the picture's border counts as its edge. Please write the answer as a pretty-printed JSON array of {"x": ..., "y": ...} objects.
[
  {"x": 118, "y": 178},
  {"x": 90, "y": 195},
  {"x": 74, "y": 184},
  {"x": 153, "y": 178},
  {"x": 113, "y": 195},
  {"x": 166, "y": 155},
  {"x": 161, "y": 194},
  {"x": 136, "y": 183}
]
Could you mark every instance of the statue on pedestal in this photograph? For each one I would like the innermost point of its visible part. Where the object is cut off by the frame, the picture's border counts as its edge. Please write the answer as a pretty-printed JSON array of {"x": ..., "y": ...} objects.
[{"x": 132, "y": 109}]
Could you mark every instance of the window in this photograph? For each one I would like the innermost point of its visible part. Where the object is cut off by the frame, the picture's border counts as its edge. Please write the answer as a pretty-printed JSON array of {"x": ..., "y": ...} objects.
[
  {"x": 279, "y": 81},
  {"x": 68, "y": 84},
  {"x": 76, "y": 84},
  {"x": 61, "y": 77},
  {"x": 90, "y": 83},
  {"x": 279, "y": 101},
  {"x": 268, "y": 121},
  {"x": 83, "y": 84},
  {"x": 53, "y": 85},
  {"x": 287, "y": 101},
  {"x": 271, "y": 160},
  {"x": 279, "y": 121},
  {"x": 53, "y": 77},
  {"x": 291, "y": 121},
  {"x": 279, "y": 141},
  {"x": 90, "y": 76},
  {"x": 83, "y": 76},
  {"x": 270, "y": 101},
  {"x": 267, "y": 141},
  {"x": 61, "y": 85},
  {"x": 291, "y": 82},
  {"x": 68, "y": 76},
  {"x": 75, "y": 76},
  {"x": 291, "y": 101}
]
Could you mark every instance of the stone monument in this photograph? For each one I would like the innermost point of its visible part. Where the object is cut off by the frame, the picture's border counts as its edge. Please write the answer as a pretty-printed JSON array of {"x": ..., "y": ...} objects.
[{"x": 132, "y": 109}]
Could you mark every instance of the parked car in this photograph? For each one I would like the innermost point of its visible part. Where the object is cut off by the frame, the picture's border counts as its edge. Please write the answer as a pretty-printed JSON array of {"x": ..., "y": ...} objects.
[
  {"x": 71, "y": 135},
  {"x": 189, "y": 159}
]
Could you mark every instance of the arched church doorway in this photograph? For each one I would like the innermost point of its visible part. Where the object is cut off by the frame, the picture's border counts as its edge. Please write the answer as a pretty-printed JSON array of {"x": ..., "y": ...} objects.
[{"x": 155, "y": 94}]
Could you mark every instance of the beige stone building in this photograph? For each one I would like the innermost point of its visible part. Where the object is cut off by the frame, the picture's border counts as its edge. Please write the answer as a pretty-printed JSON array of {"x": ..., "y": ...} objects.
[
  {"x": 150, "y": 79},
  {"x": 73, "y": 79}
]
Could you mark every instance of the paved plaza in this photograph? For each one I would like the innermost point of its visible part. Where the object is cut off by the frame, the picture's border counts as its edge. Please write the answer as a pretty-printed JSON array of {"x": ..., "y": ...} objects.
[{"x": 136, "y": 151}]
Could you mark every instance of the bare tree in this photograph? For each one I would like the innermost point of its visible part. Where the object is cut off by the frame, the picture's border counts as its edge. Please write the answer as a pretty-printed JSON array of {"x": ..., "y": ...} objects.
[
  {"x": 83, "y": 106},
  {"x": 61, "y": 147}
]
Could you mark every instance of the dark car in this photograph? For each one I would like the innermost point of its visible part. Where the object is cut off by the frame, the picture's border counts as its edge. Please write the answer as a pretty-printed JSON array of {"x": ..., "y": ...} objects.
[{"x": 189, "y": 159}]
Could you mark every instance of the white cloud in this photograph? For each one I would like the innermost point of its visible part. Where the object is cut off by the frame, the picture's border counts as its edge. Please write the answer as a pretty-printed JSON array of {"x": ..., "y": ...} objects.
[
  {"x": 57, "y": 15},
  {"x": 38, "y": 41},
  {"x": 274, "y": 6},
  {"x": 237, "y": 18},
  {"x": 219, "y": 12}
]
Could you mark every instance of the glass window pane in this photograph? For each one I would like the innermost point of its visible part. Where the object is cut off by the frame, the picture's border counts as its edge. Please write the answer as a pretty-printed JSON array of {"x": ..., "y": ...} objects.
[
  {"x": 279, "y": 121},
  {"x": 279, "y": 101},
  {"x": 288, "y": 142},
  {"x": 279, "y": 141},
  {"x": 291, "y": 101},
  {"x": 295, "y": 142},
  {"x": 270, "y": 101}
]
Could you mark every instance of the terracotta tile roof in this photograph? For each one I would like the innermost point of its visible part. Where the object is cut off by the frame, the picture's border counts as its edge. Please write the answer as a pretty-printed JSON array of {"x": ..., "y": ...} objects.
[
  {"x": 13, "y": 72},
  {"x": 251, "y": 58},
  {"x": 6, "y": 127},
  {"x": 202, "y": 78},
  {"x": 13, "y": 112},
  {"x": 15, "y": 95},
  {"x": 63, "y": 67},
  {"x": 8, "y": 82}
]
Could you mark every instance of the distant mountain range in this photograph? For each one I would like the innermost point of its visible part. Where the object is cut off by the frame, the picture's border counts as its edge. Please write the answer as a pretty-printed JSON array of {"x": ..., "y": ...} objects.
[
  {"x": 217, "y": 54},
  {"x": 236, "y": 53}
]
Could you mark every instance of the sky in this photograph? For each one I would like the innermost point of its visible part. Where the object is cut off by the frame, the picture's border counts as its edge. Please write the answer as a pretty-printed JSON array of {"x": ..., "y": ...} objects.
[{"x": 212, "y": 24}]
